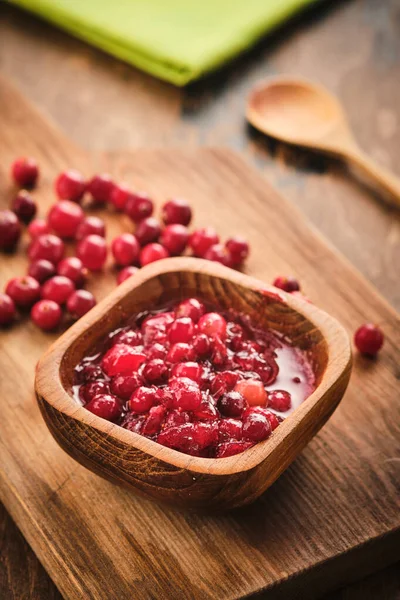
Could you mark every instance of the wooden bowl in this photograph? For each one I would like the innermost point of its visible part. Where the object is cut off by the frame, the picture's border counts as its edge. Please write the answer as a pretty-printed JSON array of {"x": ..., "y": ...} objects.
[{"x": 159, "y": 472}]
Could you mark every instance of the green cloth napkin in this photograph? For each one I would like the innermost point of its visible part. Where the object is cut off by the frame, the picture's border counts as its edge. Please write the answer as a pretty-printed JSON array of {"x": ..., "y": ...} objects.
[{"x": 176, "y": 40}]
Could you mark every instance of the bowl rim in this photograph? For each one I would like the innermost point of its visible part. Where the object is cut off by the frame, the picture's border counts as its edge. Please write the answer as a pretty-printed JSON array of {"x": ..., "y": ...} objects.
[{"x": 335, "y": 336}]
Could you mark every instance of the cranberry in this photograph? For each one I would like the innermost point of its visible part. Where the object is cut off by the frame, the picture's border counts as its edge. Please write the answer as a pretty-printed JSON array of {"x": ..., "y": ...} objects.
[
  {"x": 125, "y": 273},
  {"x": 46, "y": 314},
  {"x": 279, "y": 400},
  {"x": 181, "y": 330},
  {"x": 287, "y": 284},
  {"x": 206, "y": 410},
  {"x": 273, "y": 419},
  {"x": 156, "y": 351},
  {"x": 91, "y": 389},
  {"x": 142, "y": 399},
  {"x": 125, "y": 384},
  {"x": 218, "y": 253},
  {"x": 80, "y": 302},
  {"x": 230, "y": 429},
  {"x": 238, "y": 250},
  {"x": 64, "y": 218},
  {"x": 148, "y": 231},
  {"x": 231, "y": 448},
  {"x": 190, "y": 370},
  {"x": 129, "y": 337},
  {"x": 25, "y": 172},
  {"x": 176, "y": 417},
  {"x": 125, "y": 249},
  {"x": 24, "y": 206},
  {"x": 134, "y": 422},
  {"x": 180, "y": 353},
  {"x": 47, "y": 246},
  {"x": 138, "y": 207},
  {"x": 155, "y": 371},
  {"x": 58, "y": 289},
  {"x": 92, "y": 251},
  {"x": 23, "y": 290},
  {"x": 223, "y": 382},
  {"x": 154, "y": 327},
  {"x": 41, "y": 270},
  {"x": 7, "y": 310},
  {"x": 256, "y": 428},
  {"x": 176, "y": 211},
  {"x": 154, "y": 420},
  {"x": 72, "y": 268},
  {"x": 100, "y": 188},
  {"x": 219, "y": 352},
  {"x": 90, "y": 372},
  {"x": 175, "y": 238},
  {"x": 202, "y": 239},
  {"x": 187, "y": 395},
  {"x": 189, "y": 437},
  {"x": 38, "y": 227},
  {"x": 232, "y": 404},
  {"x": 70, "y": 185},
  {"x": 105, "y": 406},
  {"x": 201, "y": 345},
  {"x": 192, "y": 308},
  {"x": 368, "y": 339},
  {"x": 253, "y": 391},
  {"x": 10, "y": 230},
  {"x": 122, "y": 358},
  {"x": 212, "y": 324},
  {"x": 151, "y": 253},
  {"x": 90, "y": 226},
  {"x": 119, "y": 196}
]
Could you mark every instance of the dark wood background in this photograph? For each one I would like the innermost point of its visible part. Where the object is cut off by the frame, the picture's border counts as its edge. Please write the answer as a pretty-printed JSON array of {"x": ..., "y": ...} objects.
[{"x": 353, "y": 47}]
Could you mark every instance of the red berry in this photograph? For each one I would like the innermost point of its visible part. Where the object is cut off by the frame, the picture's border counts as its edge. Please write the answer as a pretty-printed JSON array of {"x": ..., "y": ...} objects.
[
  {"x": 47, "y": 246},
  {"x": 25, "y": 172},
  {"x": 90, "y": 372},
  {"x": 232, "y": 448},
  {"x": 38, "y": 227},
  {"x": 190, "y": 370},
  {"x": 46, "y": 314},
  {"x": 212, "y": 324},
  {"x": 369, "y": 339},
  {"x": 156, "y": 351},
  {"x": 100, "y": 188},
  {"x": 70, "y": 185},
  {"x": 89, "y": 226},
  {"x": 201, "y": 345},
  {"x": 187, "y": 394},
  {"x": 122, "y": 358},
  {"x": 130, "y": 337},
  {"x": 155, "y": 371},
  {"x": 280, "y": 400},
  {"x": 41, "y": 270},
  {"x": 181, "y": 330},
  {"x": 192, "y": 308},
  {"x": 148, "y": 231},
  {"x": 143, "y": 399},
  {"x": 238, "y": 250},
  {"x": 80, "y": 302},
  {"x": 223, "y": 382},
  {"x": 125, "y": 273},
  {"x": 253, "y": 392},
  {"x": 151, "y": 253},
  {"x": 24, "y": 206},
  {"x": 119, "y": 196},
  {"x": 256, "y": 428},
  {"x": 218, "y": 253},
  {"x": 176, "y": 417},
  {"x": 64, "y": 218},
  {"x": 180, "y": 353},
  {"x": 105, "y": 406},
  {"x": 176, "y": 211},
  {"x": 91, "y": 389},
  {"x": 229, "y": 429},
  {"x": 287, "y": 284},
  {"x": 232, "y": 404},
  {"x": 273, "y": 419},
  {"x": 125, "y": 249},
  {"x": 138, "y": 207},
  {"x": 72, "y": 268},
  {"x": 202, "y": 239},
  {"x": 174, "y": 238},
  {"x": 10, "y": 230},
  {"x": 7, "y": 310},
  {"x": 125, "y": 384},
  {"x": 154, "y": 420},
  {"x": 92, "y": 251},
  {"x": 23, "y": 290},
  {"x": 58, "y": 289}
]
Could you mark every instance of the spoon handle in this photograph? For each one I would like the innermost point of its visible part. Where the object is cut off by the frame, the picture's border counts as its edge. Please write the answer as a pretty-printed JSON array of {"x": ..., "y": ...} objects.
[{"x": 386, "y": 180}]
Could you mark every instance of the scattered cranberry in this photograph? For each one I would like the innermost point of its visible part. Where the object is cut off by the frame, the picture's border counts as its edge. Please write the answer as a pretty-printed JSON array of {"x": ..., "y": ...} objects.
[
  {"x": 218, "y": 253},
  {"x": 181, "y": 330},
  {"x": 92, "y": 251},
  {"x": 91, "y": 389},
  {"x": 190, "y": 370},
  {"x": 202, "y": 239},
  {"x": 122, "y": 358},
  {"x": 41, "y": 270},
  {"x": 124, "y": 385},
  {"x": 125, "y": 273},
  {"x": 46, "y": 314},
  {"x": 64, "y": 218},
  {"x": 38, "y": 227},
  {"x": 180, "y": 352},
  {"x": 100, "y": 188},
  {"x": 58, "y": 289},
  {"x": 90, "y": 226},
  {"x": 279, "y": 400},
  {"x": 7, "y": 310},
  {"x": 253, "y": 391},
  {"x": 212, "y": 324},
  {"x": 232, "y": 404},
  {"x": 24, "y": 206},
  {"x": 138, "y": 207},
  {"x": 125, "y": 249},
  {"x": 119, "y": 196},
  {"x": 232, "y": 448},
  {"x": 25, "y": 172},
  {"x": 287, "y": 284},
  {"x": 23, "y": 290},
  {"x": 369, "y": 339},
  {"x": 80, "y": 302},
  {"x": 72, "y": 268},
  {"x": 176, "y": 211},
  {"x": 192, "y": 308},
  {"x": 47, "y": 246},
  {"x": 238, "y": 250},
  {"x": 151, "y": 253},
  {"x": 10, "y": 230},
  {"x": 70, "y": 185},
  {"x": 105, "y": 406},
  {"x": 148, "y": 231},
  {"x": 143, "y": 399},
  {"x": 175, "y": 238},
  {"x": 155, "y": 371},
  {"x": 256, "y": 428}
]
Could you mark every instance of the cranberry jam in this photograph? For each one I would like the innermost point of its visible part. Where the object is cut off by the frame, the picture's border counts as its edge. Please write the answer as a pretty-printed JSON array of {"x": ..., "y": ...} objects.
[{"x": 202, "y": 382}]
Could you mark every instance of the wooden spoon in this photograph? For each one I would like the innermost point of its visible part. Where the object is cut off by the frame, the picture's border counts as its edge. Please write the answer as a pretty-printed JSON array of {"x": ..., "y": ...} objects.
[{"x": 303, "y": 113}]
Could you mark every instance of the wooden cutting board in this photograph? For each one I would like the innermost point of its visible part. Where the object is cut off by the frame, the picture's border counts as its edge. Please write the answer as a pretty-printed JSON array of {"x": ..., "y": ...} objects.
[{"x": 331, "y": 518}]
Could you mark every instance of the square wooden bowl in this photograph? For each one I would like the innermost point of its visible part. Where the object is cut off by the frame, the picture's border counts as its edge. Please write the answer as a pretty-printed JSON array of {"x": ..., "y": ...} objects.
[{"x": 159, "y": 472}]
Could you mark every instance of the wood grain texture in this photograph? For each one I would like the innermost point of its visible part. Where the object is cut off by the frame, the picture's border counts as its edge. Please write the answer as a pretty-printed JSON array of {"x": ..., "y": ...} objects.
[{"x": 333, "y": 514}]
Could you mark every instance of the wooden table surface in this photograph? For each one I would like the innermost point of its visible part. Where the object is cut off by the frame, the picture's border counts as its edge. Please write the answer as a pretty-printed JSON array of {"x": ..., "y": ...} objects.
[{"x": 352, "y": 47}]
